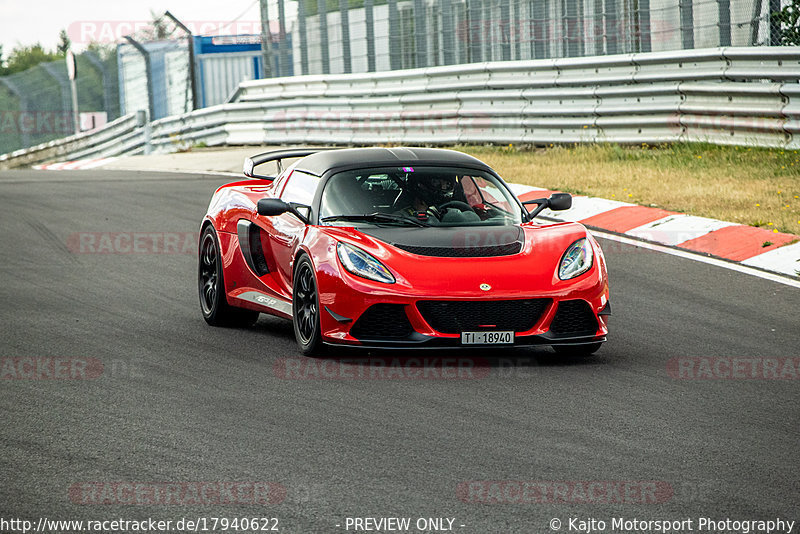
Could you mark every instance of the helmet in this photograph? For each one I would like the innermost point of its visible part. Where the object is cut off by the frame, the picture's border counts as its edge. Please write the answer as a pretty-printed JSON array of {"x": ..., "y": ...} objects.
[{"x": 433, "y": 188}]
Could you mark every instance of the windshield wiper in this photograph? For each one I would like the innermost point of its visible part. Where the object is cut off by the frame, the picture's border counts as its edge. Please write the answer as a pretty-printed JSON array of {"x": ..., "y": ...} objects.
[{"x": 375, "y": 217}]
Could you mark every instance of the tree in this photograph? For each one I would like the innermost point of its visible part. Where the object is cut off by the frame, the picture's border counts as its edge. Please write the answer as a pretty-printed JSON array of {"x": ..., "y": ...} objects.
[
  {"x": 160, "y": 28},
  {"x": 64, "y": 42},
  {"x": 104, "y": 51},
  {"x": 788, "y": 22},
  {"x": 25, "y": 57}
]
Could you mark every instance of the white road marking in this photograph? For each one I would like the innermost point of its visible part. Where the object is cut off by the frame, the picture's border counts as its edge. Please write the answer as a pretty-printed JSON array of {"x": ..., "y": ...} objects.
[
  {"x": 738, "y": 267},
  {"x": 677, "y": 229},
  {"x": 782, "y": 259},
  {"x": 585, "y": 207}
]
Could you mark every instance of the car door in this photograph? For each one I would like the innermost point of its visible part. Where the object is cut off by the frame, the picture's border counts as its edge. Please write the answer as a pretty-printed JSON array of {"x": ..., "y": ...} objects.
[
  {"x": 255, "y": 240},
  {"x": 287, "y": 229}
]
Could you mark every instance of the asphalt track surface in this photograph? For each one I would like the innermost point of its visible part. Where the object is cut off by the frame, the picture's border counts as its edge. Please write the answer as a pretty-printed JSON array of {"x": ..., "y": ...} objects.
[{"x": 179, "y": 401}]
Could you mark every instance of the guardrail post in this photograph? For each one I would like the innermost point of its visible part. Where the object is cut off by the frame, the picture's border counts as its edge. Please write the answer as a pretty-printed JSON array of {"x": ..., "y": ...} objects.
[
  {"x": 687, "y": 23},
  {"x": 612, "y": 32},
  {"x": 643, "y": 17},
  {"x": 370, "y": 21},
  {"x": 724, "y": 10},
  {"x": 322, "y": 13},
  {"x": 266, "y": 40},
  {"x": 95, "y": 60},
  {"x": 474, "y": 31},
  {"x": 515, "y": 29},
  {"x": 755, "y": 20},
  {"x": 573, "y": 29},
  {"x": 541, "y": 30},
  {"x": 395, "y": 60},
  {"x": 505, "y": 29},
  {"x": 283, "y": 52},
  {"x": 301, "y": 29},
  {"x": 344, "y": 15},
  {"x": 148, "y": 74},
  {"x": 143, "y": 122},
  {"x": 597, "y": 31},
  {"x": 63, "y": 82},
  {"x": 774, "y": 28},
  {"x": 448, "y": 31},
  {"x": 421, "y": 33},
  {"x": 190, "y": 45}
]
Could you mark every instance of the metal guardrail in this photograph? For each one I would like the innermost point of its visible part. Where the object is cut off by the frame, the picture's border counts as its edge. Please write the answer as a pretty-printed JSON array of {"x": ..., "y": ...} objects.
[
  {"x": 741, "y": 96},
  {"x": 121, "y": 136}
]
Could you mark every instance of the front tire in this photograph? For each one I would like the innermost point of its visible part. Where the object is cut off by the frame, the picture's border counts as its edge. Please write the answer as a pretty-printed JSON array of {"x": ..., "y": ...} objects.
[
  {"x": 577, "y": 350},
  {"x": 211, "y": 286},
  {"x": 305, "y": 308}
]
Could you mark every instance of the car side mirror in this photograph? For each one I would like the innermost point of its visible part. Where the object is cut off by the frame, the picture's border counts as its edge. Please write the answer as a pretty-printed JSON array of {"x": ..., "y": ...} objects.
[
  {"x": 269, "y": 207},
  {"x": 556, "y": 202},
  {"x": 560, "y": 201}
]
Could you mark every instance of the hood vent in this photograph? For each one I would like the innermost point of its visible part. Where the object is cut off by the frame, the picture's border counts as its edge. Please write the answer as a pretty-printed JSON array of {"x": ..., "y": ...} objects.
[{"x": 490, "y": 251}]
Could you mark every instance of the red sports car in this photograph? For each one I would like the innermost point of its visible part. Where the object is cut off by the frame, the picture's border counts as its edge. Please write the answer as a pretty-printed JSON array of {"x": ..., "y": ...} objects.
[{"x": 399, "y": 247}]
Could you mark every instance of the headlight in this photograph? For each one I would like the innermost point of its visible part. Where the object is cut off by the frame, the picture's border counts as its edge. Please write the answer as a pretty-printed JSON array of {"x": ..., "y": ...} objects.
[
  {"x": 363, "y": 264},
  {"x": 576, "y": 260}
]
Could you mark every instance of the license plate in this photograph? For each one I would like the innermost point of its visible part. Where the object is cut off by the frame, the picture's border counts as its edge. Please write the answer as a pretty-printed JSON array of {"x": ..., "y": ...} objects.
[{"x": 487, "y": 338}]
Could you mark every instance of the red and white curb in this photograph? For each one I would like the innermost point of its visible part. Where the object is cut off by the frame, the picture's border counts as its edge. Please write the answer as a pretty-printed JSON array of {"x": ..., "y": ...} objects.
[
  {"x": 81, "y": 164},
  {"x": 746, "y": 245}
]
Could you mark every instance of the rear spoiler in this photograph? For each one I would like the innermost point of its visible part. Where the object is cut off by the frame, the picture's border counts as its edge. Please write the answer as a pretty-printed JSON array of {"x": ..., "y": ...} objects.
[{"x": 277, "y": 155}]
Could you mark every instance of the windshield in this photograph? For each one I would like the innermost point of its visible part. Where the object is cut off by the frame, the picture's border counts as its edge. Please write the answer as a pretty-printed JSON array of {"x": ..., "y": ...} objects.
[{"x": 432, "y": 196}]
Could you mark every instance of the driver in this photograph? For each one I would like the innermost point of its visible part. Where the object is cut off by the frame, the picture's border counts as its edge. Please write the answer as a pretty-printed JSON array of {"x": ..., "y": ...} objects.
[{"x": 425, "y": 192}]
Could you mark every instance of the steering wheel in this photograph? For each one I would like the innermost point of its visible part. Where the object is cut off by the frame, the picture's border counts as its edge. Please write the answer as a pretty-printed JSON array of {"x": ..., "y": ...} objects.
[{"x": 455, "y": 204}]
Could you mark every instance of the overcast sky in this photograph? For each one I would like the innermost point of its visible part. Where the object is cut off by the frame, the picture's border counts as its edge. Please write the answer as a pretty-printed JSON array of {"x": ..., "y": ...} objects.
[{"x": 34, "y": 21}]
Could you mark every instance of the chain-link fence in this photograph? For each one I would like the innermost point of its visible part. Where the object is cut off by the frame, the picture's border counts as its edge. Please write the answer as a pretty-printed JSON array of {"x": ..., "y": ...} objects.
[
  {"x": 340, "y": 36},
  {"x": 36, "y": 105},
  {"x": 162, "y": 54}
]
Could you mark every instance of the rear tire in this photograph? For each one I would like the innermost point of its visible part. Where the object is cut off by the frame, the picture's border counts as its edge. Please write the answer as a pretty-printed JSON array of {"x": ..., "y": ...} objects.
[
  {"x": 211, "y": 286},
  {"x": 305, "y": 308},
  {"x": 577, "y": 350}
]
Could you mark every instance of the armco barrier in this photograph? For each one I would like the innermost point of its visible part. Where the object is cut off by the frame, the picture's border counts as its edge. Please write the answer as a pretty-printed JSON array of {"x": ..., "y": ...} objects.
[
  {"x": 118, "y": 137},
  {"x": 742, "y": 96}
]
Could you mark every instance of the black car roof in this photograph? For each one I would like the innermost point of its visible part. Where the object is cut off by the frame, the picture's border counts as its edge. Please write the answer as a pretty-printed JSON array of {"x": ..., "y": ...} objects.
[{"x": 321, "y": 162}]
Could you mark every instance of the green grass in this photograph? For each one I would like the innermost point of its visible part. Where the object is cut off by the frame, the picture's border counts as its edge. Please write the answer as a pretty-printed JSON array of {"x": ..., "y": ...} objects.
[{"x": 753, "y": 186}]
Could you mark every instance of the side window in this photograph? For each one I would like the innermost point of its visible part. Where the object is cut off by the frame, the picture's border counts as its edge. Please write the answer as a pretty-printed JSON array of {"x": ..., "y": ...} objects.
[
  {"x": 300, "y": 188},
  {"x": 470, "y": 191},
  {"x": 479, "y": 190}
]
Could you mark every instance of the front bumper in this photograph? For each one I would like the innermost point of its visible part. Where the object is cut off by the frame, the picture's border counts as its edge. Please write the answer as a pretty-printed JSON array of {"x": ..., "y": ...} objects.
[
  {"x": 520, "y": 296},
  {"x": 421, "y": 342},
  {"x": 392, "y": 322}
]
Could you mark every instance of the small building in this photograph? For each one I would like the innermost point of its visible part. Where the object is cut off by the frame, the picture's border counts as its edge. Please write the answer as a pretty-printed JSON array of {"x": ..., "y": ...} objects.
[{"x": 220, "y": 63}]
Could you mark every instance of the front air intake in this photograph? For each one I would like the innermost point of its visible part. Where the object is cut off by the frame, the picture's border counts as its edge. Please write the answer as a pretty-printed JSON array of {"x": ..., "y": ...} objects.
[
  {"x": 456, "y": 316},
  {"x": 382, "y": 321},
  {"x": 574, "y": 318}
]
